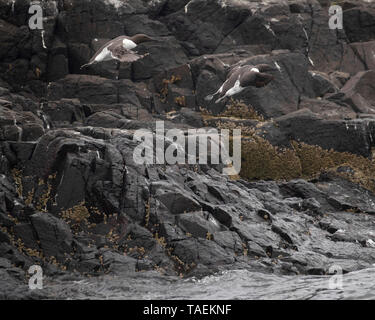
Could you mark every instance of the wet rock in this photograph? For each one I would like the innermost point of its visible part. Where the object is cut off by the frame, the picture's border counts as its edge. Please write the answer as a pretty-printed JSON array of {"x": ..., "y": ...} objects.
[
  {"x": 254, "y": 249},
  {"x": 58, "y": 60},
  {"x": 198, "y": 224},
  {"x": 66, "y": 140},
  {"x": 322, "y": 84},
  {"x": 26, "y": 233},
  {"x": 22, "y": 150},
  {"x": 206, "y": 252},
  {"x": 230, "y": 241},
  {"x": 205, "y": 25},
  {"x": 89, "y": 89},
  {"x": 340, "y": 135},
  {"x": 339, "y": 78},
  {"x": 20, "y": 126},
  {"x": 4, "y": 237},
  {"x": 359, "y": 23},
  {"x": 356, "y": 57},
  {"x": 159, "y": 58},
  {"x": 5, "y": 221},
  {"x": 54, "y": 235},
  {"x": 63, "y": 112},
  {"x": 328, "y": 110},
  {"x": 117, "y": 263},
  {"x": 356, "y": 94},
  {"x": 177, "y": 201}
]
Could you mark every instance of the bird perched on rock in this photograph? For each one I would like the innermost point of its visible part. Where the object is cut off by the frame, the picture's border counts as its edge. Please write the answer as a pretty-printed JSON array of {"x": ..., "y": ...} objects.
[
  {"x": 239, "y": 78},
  {"x": 121, "y": 49}
]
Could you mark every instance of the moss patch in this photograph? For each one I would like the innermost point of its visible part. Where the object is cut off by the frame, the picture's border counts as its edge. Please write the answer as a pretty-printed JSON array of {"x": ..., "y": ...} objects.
[
  {"x": 263, "y": 161},
  {"x": 238, "y": 109}
]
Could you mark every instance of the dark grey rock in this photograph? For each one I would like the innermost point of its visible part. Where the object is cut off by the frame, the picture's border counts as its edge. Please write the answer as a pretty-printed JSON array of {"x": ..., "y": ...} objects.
[{"x": 54, "y": 234}]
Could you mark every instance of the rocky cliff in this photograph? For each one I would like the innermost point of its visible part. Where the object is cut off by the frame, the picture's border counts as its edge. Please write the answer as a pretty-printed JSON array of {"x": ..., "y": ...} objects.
[{"x": 73, "y": 201}]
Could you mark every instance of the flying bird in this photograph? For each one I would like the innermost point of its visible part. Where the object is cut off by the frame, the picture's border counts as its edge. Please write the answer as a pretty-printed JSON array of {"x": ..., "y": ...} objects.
[
  {"x": 239, "y": 78},
  {"x": 121, "y": 49}
]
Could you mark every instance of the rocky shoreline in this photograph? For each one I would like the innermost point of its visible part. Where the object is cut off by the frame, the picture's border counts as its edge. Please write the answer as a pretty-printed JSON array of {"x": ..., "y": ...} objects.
[{"x": 73, "y": 201}]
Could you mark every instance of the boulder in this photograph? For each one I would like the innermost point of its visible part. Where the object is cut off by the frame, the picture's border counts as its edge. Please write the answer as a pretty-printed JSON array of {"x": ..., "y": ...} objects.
[
  {"x": 359, "y": 93},
  {"x": 175, "y": 199},
  {"x": 359, "y": 23},
  {"x": 198, "y": 224},
  {"x": 340, "y": 135},
  {"x": 54, "y": 234}
]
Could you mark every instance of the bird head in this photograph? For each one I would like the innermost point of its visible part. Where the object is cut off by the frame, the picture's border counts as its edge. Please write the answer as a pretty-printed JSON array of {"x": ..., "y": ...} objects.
[
  {"x": 139, "y": 38},
  {"x": 265, "y": 68},
  {"x": 263, "y": 79}
]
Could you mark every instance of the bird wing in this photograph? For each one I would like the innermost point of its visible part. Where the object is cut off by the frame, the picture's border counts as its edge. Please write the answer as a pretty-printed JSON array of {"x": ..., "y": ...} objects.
[
  {"x": 249, "y": 79},
  {"x": 120, "y": 53},
  {"x": 106, "y": 45},
  {"x": 97, "y": 53},
  {"x": 232, "y": 78},
  {"x": 232, "y": 71},
  {"x": 261, "y": 67}
]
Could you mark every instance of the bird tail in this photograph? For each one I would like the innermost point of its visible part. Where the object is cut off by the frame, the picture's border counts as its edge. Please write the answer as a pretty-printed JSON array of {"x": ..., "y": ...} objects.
[{"x": 209, "y": 97}]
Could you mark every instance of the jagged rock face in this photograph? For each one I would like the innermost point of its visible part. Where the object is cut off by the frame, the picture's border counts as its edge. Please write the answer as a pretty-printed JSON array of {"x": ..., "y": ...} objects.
[
  {"x": 73, "y": 199},
  {"x": 174, "y": 218}
]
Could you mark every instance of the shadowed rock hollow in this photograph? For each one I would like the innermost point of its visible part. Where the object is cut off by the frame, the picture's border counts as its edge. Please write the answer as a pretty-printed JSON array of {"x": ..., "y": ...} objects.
[{"x": 71, "y": 197}]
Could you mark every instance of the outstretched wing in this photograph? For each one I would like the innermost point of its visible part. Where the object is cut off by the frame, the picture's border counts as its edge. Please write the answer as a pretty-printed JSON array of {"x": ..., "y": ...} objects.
[
  {"x": 101, "y": 50},
  {"x": 232, "y": 71},
  {"x": 124, "y": 55},
  {"x": 255, "y": 79},
  {"x": 249, "y": 78}
]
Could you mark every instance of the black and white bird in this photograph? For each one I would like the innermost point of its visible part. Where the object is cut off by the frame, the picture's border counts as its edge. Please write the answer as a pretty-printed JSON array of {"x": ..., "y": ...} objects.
[
  {"x": 121, "y": 49},
  {"x": 239, "y": 78}
]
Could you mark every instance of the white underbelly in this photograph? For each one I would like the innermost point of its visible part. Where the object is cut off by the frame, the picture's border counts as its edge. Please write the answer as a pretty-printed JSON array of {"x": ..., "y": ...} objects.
[
  {"x": 105, "y": 55},
  {"x": 128, "y": 44},
  {"x": 235, "y": 89}
]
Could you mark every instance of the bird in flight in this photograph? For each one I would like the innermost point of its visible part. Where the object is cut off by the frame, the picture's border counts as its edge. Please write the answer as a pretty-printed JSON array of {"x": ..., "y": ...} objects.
[
  {"x": 239, "y": 78},
  {"x": 121, "y": 49}
]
